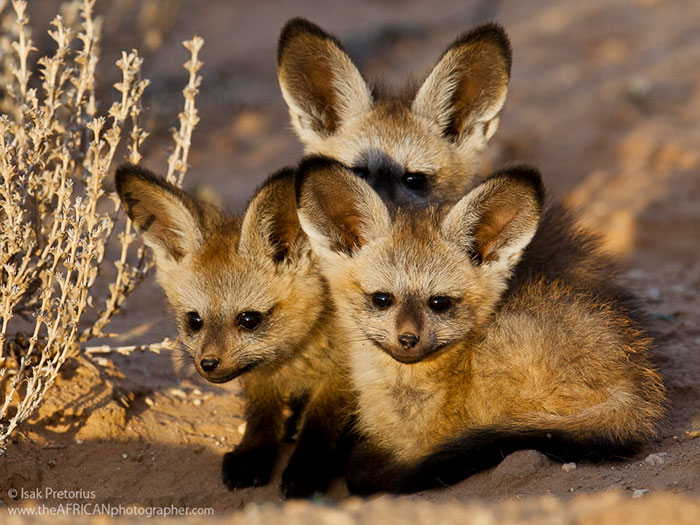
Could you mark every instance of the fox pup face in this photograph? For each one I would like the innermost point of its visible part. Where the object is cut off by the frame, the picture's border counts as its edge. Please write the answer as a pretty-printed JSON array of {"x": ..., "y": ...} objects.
[
  {"x": 412, "y": 281},
  {"x": 417, "y": 147},
  {"x": 245, "y": 292}
]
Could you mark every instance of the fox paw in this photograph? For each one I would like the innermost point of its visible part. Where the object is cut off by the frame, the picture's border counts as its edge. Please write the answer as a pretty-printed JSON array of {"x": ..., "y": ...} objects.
[
  {"x": 250, "y": 468},
  {"x": 301, "y": 479},
  {"x": 369, "y": 471}
]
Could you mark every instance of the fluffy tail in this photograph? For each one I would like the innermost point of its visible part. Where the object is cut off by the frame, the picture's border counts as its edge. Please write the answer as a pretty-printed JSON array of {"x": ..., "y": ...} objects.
[{"x": 475, "y": 451}]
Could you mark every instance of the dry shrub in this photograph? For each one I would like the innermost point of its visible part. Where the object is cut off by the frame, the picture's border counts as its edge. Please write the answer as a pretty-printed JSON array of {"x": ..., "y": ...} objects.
[{"x": 56, "y": 216}]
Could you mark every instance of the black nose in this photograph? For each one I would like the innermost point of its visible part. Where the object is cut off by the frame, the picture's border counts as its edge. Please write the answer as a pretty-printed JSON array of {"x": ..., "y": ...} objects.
[
  {"x": 209, "y": 364},
  {"x": 408, "y": 340}
]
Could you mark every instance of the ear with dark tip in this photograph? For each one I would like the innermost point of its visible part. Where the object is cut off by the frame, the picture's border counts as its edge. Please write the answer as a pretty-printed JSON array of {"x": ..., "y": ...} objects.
[
  {"x": 166, "y": 216},
  {"x": 496, "y": 220},
  {"x": 466, "y": 90},
  {"x": 339, "y": 212},
  {"x": 319, "y": 82},
  {"x": 270, "y": 226}
]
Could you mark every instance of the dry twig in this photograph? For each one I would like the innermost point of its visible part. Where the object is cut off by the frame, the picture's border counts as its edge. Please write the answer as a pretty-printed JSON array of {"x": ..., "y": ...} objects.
[{"x": 55, "y": 154}]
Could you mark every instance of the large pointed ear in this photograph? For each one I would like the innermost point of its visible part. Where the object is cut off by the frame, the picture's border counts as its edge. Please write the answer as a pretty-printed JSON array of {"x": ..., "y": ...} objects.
[
  {"x": 319, "y": 82},
  {"x": 467, "y": 88},
  {"x": 270, "y": 226},
  {"x": 339, "y": 211},
  {"x": 168, "y": 218},
  {"x": 496, "y": 220}
]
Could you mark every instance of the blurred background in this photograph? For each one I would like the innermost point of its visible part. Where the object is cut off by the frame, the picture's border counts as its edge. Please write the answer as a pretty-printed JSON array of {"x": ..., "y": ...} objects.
[{"x": 604, "y": 96}]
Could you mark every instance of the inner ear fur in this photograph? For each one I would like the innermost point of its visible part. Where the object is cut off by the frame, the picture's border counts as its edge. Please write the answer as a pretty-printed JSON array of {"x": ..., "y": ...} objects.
[
  {"x": 468, "y": 86},
  {"x": 339, "y": 211},
  {"x": 167, "y": 217},
  {"x": 496, "y": 220},
  {"x": 271, "y": 223},
  {"x": 319, "y": 81}
]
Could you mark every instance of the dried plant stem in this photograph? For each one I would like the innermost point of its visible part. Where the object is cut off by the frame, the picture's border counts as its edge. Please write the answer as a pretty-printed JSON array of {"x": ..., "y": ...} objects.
[
  {"x": 55, "y": 155},
  {"x": 177, "y": 162},
  {"x": 165, "y": 344}
]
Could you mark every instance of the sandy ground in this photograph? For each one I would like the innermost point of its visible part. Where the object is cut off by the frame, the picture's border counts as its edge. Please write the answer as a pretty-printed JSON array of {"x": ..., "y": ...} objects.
[{"x": 604, "y": 99}]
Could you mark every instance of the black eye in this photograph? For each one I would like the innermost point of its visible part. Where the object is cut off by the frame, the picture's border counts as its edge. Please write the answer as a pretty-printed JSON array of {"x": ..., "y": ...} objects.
[
  {"x": 361, "y": 171},
  {"x": 415, "y": 181},
  {"x": 249, "y": 320},
  {"x": 382, "y": 300},
  {"x": 194, "y": 321},
  {"x": 439, "y": 303}
]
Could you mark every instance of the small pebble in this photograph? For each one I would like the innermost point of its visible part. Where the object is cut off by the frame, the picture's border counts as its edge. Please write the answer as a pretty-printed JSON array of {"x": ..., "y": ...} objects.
[
  {"x": 639, "y": 493},
  {"x": 149, "y": 401},
  {"x": 241, "y": 428},
  {"x": 79, "y": 441},
  {"x": 639, "y": 88},
  {"x": 657, "y": 459},
  {"x": 197, "y": 392},
  {"x": 693, "y": 434},
  {"x": 177, "y": 393},
  {"x": 125, "y": 456},
  {"x": 568, "y": 467},
  {"x": 197, "y": 402}
]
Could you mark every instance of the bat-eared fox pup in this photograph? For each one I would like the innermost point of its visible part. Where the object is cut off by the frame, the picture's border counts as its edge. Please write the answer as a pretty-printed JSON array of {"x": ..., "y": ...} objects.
[
  {"x": 459, "y": 353},
  {"x": 424, "y": 145},
  {"x": 249, "y": 302},
  {"x": 413, "y": 146}
]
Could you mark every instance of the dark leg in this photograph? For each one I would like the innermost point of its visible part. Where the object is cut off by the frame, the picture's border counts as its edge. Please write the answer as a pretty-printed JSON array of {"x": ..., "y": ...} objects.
[
  {"x": 372, "y": 470},
  {"x": 251, "y": 463},
  {"x": 296, "y": 406},
  {"x": 313, "y": 463}
]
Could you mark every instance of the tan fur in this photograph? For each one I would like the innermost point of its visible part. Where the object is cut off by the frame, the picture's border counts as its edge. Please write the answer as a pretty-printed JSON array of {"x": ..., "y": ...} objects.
[
  {"x": 537, "y": 354},
  {"x": 440, "y": 131},
  {"x": 410, "y": 409},
  {"x": 219, "y": 267}
]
